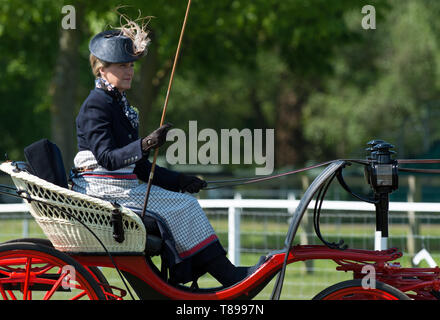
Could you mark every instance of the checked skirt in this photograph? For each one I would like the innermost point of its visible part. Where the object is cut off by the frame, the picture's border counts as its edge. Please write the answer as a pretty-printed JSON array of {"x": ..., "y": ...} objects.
[{"x": 185, "y": 219}]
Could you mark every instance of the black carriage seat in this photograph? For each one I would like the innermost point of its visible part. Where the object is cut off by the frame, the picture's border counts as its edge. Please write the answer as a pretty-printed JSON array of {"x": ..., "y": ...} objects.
[{"x": 44, "y": 160}]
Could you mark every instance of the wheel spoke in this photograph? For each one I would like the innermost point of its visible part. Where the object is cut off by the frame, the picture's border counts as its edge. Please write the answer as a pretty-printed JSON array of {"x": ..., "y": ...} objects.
[
  {"x": 79, "y": 295},
  {"x": 5, "y": 272},
  {"x": 2, "y": 291},
  {"x": 56, "y": 285},
  {"x": 26, "y": 279},
  {"x": 13, "y": 297}
]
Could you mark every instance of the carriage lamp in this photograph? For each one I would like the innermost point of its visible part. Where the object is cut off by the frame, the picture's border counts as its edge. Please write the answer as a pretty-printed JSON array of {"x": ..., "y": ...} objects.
[{"x": 382, "y": 175}]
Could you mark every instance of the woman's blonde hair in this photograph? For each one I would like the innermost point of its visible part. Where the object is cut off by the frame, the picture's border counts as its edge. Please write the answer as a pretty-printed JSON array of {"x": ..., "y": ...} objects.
[{"x": 96, "y": 65}]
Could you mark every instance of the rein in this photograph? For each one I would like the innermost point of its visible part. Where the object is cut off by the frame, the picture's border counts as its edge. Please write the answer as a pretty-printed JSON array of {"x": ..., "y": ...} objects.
[{"x": 250, "y": 180}]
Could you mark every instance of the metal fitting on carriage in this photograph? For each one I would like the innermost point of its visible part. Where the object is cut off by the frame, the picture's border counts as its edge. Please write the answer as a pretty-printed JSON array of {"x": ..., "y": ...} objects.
[
  {"x": 372, "y": 148},
  {"x": 116, "y": 221}
]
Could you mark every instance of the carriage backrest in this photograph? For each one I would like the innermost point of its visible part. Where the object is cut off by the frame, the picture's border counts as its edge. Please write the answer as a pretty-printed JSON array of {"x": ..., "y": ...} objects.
[{"x": 46, "y": 162}]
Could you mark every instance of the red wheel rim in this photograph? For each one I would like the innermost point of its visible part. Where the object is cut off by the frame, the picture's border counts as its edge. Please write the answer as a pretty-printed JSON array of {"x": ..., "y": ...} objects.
[
  {"x": 23, "y": 271},
  {"x": 359, "y": 293}
]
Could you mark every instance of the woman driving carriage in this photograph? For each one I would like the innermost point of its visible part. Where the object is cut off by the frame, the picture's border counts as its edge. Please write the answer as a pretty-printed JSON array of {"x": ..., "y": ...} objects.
[{"x": 112, "y": 158}]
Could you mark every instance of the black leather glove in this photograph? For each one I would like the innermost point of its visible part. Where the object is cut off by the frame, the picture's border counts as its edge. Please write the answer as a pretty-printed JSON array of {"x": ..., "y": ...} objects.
[
  {"x": 191, "y": 184},
  {"x": 155, "y": 139}
]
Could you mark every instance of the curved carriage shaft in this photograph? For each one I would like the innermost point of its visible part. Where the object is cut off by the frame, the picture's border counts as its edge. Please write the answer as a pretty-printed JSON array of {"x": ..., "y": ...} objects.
[{"x": 299, "y": 213}]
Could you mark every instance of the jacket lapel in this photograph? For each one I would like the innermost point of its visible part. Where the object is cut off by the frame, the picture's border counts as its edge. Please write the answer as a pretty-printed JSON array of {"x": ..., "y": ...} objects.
[
  {"x": 121, "y": 116},
  {"x": 124, "y": 118}
]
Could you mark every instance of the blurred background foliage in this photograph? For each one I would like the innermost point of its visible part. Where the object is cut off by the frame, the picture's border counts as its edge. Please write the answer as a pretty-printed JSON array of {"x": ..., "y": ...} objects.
[{"x": 306, "y": 68}]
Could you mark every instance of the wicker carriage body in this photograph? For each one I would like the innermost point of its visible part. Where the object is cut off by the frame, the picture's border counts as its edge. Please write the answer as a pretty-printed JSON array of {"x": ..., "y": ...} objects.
[{"x": 64, "y": 230}]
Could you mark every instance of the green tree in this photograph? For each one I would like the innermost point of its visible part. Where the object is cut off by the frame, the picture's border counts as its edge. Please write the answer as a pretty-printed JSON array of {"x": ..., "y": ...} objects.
[
  {"x": 233, "y": 43},
  {"x": 243, "y": 64},
  {"x": 28, "y": 52},
  {"x": 384, "y": 87}
]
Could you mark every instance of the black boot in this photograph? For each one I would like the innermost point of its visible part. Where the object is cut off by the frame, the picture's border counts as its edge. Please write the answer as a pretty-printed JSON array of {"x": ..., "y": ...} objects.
[{"x": 225, "y": 272}]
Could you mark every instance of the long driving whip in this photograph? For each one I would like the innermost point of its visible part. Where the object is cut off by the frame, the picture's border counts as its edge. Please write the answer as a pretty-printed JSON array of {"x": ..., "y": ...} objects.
[{"x": 156, "y": 151}]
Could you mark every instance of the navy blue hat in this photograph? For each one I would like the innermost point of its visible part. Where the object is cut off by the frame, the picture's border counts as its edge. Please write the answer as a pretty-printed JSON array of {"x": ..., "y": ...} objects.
[{"x": 113, "y": 47}]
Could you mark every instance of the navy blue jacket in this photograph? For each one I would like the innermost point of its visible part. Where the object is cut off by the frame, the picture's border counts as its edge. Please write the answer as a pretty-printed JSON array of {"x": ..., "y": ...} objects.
[{"x": 103, "y": 128}]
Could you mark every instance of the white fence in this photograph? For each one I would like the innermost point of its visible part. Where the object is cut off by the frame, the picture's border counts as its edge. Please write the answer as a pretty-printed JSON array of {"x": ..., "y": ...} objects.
[{"x": 235, "y": 206}]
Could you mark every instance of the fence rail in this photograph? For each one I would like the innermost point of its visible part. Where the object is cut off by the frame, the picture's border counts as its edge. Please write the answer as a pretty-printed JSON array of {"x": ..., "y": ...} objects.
[
  {"x": 280, "y": 204},
  {"x": 234, "y": 208}
]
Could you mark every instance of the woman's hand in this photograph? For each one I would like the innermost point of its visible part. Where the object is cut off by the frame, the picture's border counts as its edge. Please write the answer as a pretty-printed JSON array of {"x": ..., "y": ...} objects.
[
  {"x": 155, "y": 139},
  {"x": 191, "y": 184}
]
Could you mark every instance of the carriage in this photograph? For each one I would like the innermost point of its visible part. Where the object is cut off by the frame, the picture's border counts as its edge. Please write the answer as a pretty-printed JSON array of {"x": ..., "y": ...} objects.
[{"x": 85, "y": 233}]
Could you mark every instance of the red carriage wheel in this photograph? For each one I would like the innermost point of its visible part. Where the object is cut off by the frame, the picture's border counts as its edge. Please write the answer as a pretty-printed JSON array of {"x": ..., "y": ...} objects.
[
  {"x": 31, "y": 271},
  {"x": 353, "y": 290},
  {"x": 96, "y": 273}
]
